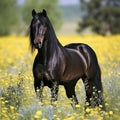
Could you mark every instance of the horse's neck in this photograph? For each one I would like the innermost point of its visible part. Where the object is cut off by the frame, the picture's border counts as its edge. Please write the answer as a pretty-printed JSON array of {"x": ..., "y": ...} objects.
[
  {"x": 52, "y": 48},
  {"x": 49, "y": 51},
  {"x": 53, "y": 42}
]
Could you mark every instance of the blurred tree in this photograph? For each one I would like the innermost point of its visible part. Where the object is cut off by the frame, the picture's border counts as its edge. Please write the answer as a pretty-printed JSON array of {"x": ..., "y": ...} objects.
[
  {"x": 51, "y": 7},
  {"x": 8, "y": 16},
  {"x": 103, "y": 16}
]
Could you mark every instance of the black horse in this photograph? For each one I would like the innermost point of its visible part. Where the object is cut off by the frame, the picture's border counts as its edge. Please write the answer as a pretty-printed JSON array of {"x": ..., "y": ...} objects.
[{"x": 56, "y": 65}]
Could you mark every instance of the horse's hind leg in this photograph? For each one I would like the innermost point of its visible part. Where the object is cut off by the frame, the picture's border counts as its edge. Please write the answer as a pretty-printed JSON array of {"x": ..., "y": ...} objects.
[
  {"x": 88, "y": 89},
  {"x": 94, "y": 91},
  {"x": 97, "y": 95}
]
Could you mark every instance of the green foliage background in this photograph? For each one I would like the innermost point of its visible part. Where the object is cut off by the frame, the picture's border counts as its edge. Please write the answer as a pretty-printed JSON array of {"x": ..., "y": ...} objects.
[
  {"x": 95, "y": 16},
  {"x": 102, "y": 16},
  {"x": 15, "y": 18},
  {"x": 50, "y": 6},
  {"x": 8, "y": 16}
]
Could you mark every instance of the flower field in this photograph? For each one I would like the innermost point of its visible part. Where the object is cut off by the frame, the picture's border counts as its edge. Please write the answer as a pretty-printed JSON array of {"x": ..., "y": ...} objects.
[{"x": 18, "y": 100}]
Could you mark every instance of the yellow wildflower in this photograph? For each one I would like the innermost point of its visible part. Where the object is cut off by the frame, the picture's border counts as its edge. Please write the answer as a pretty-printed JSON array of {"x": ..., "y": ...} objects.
[
  {"x": 38, "y": 114},
  {"x": 110, "y": 112}
]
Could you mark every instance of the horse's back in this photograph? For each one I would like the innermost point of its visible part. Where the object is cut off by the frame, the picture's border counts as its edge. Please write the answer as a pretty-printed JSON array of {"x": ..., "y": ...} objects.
[
  {"x": 89, "y": 55},
  {"x": 84, "y": 49}
]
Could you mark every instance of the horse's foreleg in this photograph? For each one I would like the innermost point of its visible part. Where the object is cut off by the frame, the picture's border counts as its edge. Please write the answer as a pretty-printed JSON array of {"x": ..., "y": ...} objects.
[
  {"x": 70, "y": 92},
  {"x": 39, "y": 85},
  {"x": 54, "y": 91}
]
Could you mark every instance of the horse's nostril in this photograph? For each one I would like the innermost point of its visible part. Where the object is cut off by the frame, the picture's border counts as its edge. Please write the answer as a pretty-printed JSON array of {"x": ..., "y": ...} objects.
[{"x": 39, "y": 44}]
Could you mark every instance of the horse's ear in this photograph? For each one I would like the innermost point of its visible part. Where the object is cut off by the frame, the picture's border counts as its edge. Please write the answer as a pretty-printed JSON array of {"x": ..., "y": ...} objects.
[
  {"x": 33, "y": 12},
  {"x": 44, "y": 13}
]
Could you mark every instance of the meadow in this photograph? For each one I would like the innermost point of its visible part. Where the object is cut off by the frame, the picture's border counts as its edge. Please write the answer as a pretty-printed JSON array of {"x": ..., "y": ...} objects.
[{"x": 18, "y": 100}]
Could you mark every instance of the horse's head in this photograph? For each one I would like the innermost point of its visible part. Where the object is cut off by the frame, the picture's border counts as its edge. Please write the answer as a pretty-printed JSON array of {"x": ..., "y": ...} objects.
[{"x": 38, "y": 29}]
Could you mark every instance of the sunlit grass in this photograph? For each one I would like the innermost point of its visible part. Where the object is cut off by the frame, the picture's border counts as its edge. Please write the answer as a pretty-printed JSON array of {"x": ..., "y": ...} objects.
[{"x": 18, "y": 99}]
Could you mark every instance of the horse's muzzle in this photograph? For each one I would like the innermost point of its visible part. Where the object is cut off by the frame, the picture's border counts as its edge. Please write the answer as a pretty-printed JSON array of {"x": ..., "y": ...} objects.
[
  {"x": 38, "y": 41},
  {"x": 38, "y": 45}
]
